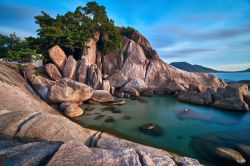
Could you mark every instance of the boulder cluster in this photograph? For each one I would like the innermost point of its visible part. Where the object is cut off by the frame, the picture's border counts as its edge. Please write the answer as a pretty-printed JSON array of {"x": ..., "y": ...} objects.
[
  {"x": 233, "y": 96},
  {"x": 136, "y": 70}
]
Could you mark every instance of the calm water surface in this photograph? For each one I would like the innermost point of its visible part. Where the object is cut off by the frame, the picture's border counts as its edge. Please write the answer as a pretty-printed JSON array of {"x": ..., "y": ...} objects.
[
  {"x": 194, "y": 133},
  {"x": 237, "y": 76}
]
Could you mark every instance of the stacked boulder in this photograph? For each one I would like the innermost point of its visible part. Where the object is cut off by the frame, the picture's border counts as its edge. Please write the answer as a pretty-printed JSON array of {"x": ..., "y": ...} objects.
[
  {"x": 60, "y": 83},
  {"x": 136, "y": 70}
]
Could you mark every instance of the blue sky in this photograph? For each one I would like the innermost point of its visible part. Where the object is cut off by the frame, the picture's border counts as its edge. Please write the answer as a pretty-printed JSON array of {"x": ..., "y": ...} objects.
[{"x": 213, "y": 33}]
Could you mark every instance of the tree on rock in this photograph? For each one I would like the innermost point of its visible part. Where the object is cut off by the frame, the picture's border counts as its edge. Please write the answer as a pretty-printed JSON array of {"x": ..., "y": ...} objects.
[{"x": 72, "y": 30}]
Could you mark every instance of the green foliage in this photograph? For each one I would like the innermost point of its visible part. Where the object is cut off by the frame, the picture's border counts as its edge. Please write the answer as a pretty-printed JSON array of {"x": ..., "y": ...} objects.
[
  {"x": 72, "y": 30},
  {"x": 127, "y": 31},
  {"x": 111, "y": 38},
  {"x": 13, "y": 48}
]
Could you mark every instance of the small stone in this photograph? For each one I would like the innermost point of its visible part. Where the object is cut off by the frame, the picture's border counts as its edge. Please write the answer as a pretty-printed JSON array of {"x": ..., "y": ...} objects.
[{"x": 89, "y": 108}]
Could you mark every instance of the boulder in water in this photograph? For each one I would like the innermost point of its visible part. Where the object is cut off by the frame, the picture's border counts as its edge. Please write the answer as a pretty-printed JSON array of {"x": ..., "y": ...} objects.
[
  {"x": 102, "y": 96},
  {"x": 229, "y": 156},
  {"x": 151, "y": 129},
  {"x": 73, "y": 111}
]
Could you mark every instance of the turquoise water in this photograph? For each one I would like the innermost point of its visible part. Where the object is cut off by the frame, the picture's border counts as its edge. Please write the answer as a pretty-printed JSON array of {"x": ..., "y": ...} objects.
[
  {"x": 237, "y": 76},
  {"x": 186, "y": 133}
]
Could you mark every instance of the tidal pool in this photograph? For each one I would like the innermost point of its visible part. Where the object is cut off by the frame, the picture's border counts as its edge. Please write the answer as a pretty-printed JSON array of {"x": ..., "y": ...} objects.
[{"x": 194, "y": 133}]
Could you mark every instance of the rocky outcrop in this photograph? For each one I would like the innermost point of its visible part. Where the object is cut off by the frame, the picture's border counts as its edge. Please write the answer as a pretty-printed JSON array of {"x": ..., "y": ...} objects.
[
  {"x": 70, "y": 68},
  {"x": 229, "y": 97},
  {"x": 148, "y": 155},
  {"x": 135, "y": 64},
  {"x": 102, "y": 96},
  {"x": 58, "y": 57},
  {"x": 143, "y": 42},
  {"x": 233, "y": 103},
  {"x": 15, "y": 92},
  {"x": 69, "y": 91},
  {"x": 53, "y": 72}
]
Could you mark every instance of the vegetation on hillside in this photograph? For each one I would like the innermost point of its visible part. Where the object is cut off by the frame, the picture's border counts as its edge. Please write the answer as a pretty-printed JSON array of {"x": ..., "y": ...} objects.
[{"x": 14, "y": 48}]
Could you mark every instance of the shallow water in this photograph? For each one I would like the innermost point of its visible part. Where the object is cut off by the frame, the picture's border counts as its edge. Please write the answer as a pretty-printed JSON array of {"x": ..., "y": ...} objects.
[{"x": 187, "y": 133}]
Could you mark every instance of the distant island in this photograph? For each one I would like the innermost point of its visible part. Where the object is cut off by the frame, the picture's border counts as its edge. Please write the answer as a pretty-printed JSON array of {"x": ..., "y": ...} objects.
[{"x": 198, "y": 68}]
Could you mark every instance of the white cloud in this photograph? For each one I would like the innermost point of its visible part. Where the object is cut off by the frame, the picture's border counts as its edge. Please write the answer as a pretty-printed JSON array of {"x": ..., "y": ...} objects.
[{"x": 232, "y": 67}]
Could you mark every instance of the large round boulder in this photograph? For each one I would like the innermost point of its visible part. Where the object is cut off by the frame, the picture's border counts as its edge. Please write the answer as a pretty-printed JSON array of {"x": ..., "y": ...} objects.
[
  {"x": 69, "y": 91},
  {"x": 73, "y": 111}
]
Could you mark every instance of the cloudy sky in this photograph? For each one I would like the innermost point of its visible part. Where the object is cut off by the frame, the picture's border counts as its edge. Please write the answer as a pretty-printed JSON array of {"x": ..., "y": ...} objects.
[{"x": 213, "y": 33}]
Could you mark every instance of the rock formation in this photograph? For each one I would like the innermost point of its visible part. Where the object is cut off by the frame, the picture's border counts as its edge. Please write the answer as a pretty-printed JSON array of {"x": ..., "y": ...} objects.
[{"x": 136, "y": 70}]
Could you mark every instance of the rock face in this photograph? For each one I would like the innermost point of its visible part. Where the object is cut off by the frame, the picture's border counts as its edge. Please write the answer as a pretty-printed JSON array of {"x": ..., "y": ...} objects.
[
  {"x": 143, "y": 42},
  {"x": 70, "y": 68},
  {"x": 231, "y": 103},
  {"x": 16, "y": 94},
  {"x": 148, "y": 155},
  {"x": 69, "y": 91},
  {"x": 102, "y": 96},
  {"x": 229, "y": 97},
  {"x": 135, "y": 64},
  {"x": 58, "y": 57},
  {"x": 53, "y": 72}
]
